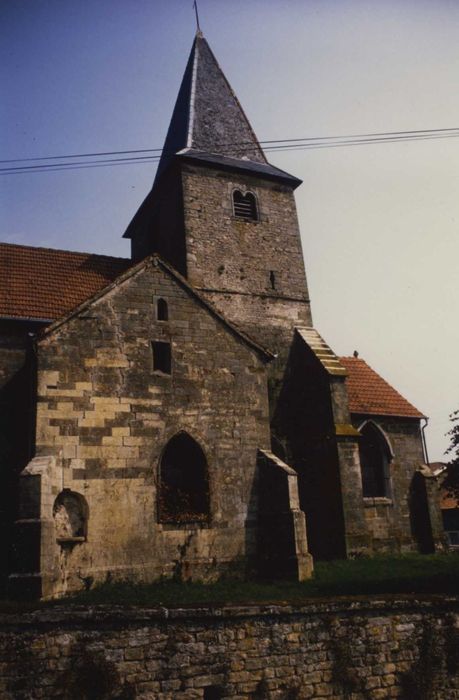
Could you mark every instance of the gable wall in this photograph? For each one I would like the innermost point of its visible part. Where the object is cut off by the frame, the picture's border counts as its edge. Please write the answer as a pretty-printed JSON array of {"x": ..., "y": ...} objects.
[{"x": 106, "y": 417}]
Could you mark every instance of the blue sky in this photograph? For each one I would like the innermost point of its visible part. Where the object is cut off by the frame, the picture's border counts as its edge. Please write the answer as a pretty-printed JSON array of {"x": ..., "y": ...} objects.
[{"x": 379, "y": 223}]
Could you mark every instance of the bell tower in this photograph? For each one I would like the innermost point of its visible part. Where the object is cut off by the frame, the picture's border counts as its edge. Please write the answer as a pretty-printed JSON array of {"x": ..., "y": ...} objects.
[{"x": 222, "y": 215}]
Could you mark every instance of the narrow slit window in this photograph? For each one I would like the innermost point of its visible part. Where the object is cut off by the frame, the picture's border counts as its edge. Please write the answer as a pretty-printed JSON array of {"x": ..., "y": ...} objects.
[
  {"x": 161, "y": 357},
  {"x": 162, "y": 312},
  {"x": 272, "y": 279},
  {"x": 245, "y": 206}
]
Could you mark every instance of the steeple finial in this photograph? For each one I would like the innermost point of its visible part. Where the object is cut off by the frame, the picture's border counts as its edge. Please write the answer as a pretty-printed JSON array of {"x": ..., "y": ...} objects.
[{"x": 195, "y": 5}]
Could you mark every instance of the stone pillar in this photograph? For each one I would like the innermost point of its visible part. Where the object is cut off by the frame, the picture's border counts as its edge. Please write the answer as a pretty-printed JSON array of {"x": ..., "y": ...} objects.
[
  {"x": 433, "y": 506},
  {"x": 356, "y": 532},
  {"x": 282, "y": 540},
  {"x": 34, "y": 529}
]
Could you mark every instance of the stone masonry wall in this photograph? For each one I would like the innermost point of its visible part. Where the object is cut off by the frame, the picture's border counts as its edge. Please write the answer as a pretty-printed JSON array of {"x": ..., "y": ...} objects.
[
  {"x": 389, "y": 519},
  {"x": 105, "y": 416},
  {"x": 364, "y": 650},
  {"x": 232, "y": 259}
]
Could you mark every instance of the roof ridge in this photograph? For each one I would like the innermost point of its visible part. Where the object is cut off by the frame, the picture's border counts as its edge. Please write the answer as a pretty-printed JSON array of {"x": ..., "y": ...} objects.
[{"x": 194, "y": 70}]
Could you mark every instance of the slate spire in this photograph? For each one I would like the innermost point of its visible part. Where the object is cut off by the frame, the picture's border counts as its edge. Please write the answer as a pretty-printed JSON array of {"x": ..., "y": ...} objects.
[
  {"x": 208, "y": 128},
  {"x": 208, "y": 117}
]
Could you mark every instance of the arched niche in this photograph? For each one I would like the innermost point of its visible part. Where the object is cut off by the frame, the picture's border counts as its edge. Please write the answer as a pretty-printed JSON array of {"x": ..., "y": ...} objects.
[
  {"x": 183, "y": 494},
  {"x": 375, "y": 458},
  {"x": 70, "y": 513}
]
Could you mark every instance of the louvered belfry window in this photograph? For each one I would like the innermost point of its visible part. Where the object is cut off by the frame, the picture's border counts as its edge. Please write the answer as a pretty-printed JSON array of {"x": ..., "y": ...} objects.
[{"x": 245, "y": 206}]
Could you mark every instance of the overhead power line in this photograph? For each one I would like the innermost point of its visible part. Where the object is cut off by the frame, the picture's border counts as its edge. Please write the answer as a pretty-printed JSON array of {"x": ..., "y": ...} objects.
[
  {"x": 82, "y": 155},
  {"x": 272, "y": 141},
  {"x": 130, "y": 157}
]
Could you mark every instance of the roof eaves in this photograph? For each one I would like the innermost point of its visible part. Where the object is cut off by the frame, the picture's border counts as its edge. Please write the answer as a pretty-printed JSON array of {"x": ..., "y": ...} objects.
[
  {"x": 27, "y": 319},
  {"x": 373, "y": 395},
  {"x": 384, "y": 414},
  {"x": 265, "y": 170}
]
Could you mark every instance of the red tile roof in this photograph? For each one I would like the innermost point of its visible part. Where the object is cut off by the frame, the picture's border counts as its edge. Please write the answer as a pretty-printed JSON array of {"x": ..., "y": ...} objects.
[
  {"x": 43, "y": 283},
  {"x": 370, "y": 393}
]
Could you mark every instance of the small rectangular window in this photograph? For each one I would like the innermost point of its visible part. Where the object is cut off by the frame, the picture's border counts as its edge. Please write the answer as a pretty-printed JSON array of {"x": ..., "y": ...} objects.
[
  {"x": 161, "y": 357},
  {"x": 162, "y": 312}
]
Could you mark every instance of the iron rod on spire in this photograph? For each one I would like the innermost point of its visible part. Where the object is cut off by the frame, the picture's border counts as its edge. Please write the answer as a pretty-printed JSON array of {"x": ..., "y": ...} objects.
[{"x": 195, "y": 5}]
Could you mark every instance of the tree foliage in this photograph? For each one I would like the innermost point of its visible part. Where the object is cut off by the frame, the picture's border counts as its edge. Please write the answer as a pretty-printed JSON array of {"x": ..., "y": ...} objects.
[{"x": 451, "y": 482}]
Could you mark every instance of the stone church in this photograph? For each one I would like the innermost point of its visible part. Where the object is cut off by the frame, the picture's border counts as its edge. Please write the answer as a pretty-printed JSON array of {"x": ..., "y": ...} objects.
[{"x": 176, "y": 414}]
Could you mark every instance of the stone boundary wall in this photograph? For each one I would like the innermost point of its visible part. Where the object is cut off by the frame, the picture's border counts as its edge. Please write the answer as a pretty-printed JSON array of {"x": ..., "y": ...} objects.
[{"x": 400, "y": 647}]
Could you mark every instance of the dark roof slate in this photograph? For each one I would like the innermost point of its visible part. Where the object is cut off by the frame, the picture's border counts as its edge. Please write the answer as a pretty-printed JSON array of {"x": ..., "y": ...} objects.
[
  {"x": 241, "y": 164},
  {"x": 209, "y": 126},
  {"x": 207, "y": 115}
]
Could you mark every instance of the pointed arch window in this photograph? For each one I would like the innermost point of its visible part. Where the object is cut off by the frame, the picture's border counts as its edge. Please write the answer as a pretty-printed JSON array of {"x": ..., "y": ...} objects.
[
  {"x": 162, "y": 311},
  {"x": 183, "y": 495},
  {"x": 245, "y": 206},
  {"x": 375, "y": 458}
]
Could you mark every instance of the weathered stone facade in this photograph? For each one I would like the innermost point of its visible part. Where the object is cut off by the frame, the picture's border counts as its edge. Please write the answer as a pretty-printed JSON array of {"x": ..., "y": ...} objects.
[
  {"x": 187, "y": 420},
  {"x": 231, "y": 260},
  {"x": 105, "y": 416},
  {"x": 393, "y": 521},
  {"x": 402, "y": 648}
]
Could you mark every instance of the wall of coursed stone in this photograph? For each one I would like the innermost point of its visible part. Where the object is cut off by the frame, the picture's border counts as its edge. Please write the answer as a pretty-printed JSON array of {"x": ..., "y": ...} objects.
[
  {"x": 389, "y": 520},
  {"x": 368, "y": 649},
  {"x": 253, "y": 272},
  {"x": 104, "y": 417}
]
